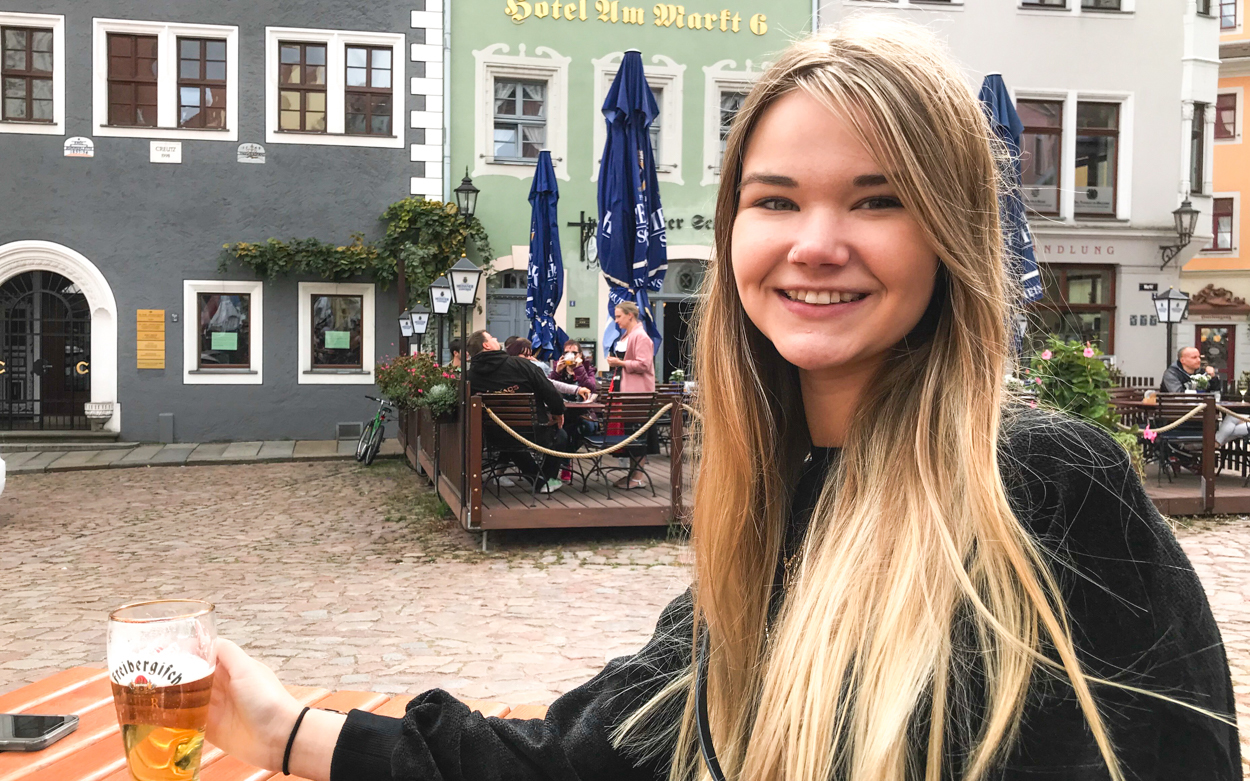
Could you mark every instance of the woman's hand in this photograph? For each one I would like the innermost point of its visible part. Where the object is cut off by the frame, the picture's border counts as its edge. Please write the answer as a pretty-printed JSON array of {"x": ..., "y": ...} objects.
[
  {"x": 615, "y": 362},
  {"x": 251, "y": 713}
]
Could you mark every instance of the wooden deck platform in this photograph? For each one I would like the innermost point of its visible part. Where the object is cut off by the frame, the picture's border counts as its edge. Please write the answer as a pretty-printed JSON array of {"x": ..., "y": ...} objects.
[
  {"x": 1183, "y": 496},
  {"x": 515, "y": 509}
]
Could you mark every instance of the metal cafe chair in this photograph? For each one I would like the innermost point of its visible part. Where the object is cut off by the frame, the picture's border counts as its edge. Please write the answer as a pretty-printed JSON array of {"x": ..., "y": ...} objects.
[{"x": 623, "y": 414}]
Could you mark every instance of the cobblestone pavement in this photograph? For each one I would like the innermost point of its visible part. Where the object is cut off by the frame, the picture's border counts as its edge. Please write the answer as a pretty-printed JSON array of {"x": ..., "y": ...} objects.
[
  {"x": 333, "y": 574},
  {"x": 345, "y": 577}
]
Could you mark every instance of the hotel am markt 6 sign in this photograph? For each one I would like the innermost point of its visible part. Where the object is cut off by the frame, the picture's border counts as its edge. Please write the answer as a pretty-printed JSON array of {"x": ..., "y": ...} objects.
[{"x": 614, "y": 12}]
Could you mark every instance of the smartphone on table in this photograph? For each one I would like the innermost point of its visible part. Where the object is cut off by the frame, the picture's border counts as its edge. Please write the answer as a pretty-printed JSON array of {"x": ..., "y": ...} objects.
[{"x": 32, "y": 732}]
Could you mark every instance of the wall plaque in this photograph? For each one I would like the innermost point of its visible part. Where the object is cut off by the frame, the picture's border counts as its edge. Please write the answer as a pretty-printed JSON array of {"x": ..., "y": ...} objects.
[
  {"x": 166, "y": 152},
  {"x": 78, "y": 146},
  {"x": 251, "y": 153},
  {"x": 150, "y": 338}
]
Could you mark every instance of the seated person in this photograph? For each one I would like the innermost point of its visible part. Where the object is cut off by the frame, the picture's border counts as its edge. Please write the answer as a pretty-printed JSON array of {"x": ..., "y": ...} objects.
[
  {"x": 571, "y": 368},
  {"x": 520, "y": 347},
  {"x": 1188, "y": 362},
  {"x": 491, "y": 370}
]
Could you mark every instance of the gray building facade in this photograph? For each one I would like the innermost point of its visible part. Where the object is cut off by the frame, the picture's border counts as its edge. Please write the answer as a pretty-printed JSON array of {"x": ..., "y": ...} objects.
[{"x": 137, "y": 139}]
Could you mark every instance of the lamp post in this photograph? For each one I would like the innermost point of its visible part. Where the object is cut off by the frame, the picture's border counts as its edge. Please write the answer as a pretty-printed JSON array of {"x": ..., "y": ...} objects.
[
  {"x": 440, "y": 300},
  {"x": 1185, "y": 220},
  {"x": 420, "y": 323},
  {"x": 1171, "y": 306}
]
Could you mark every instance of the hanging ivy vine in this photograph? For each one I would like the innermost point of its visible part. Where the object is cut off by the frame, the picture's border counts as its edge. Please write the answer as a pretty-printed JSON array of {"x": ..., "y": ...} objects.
[{"x": 430, "y": 236}]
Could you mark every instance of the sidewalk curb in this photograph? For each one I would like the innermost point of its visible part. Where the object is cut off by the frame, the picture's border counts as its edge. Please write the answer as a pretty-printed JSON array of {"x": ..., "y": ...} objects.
[{"x": 50, "y": 468}]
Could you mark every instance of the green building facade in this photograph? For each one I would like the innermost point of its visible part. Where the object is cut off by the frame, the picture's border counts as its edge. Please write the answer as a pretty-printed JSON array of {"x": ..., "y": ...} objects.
[{"x": 526, "y": 76}]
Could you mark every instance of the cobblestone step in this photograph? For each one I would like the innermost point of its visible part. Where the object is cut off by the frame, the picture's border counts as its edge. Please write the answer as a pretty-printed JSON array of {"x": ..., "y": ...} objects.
[{"x": 65, "y": 458}]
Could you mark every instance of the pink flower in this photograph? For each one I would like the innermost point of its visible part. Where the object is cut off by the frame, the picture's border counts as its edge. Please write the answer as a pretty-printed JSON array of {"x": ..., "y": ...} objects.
[
  {"x": 1032, "y": 405},
  {"x": 1149, "y": 435},
  {"x": 1088, "y": 352},
  {"x": 1047, "y": 355},
  {"x": 1037, "y": 380}
]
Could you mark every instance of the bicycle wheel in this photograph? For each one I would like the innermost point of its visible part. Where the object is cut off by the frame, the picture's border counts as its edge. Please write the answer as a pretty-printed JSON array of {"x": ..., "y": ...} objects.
[
  {"x": 366, "y": 433},
  {"x": 375, "y": 443}
]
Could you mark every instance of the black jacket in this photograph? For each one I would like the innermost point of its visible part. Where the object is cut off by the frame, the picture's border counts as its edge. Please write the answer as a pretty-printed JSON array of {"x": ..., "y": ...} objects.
[
  {"x": 1137, "y": 610},
  {"x": 494, "y": 371},
  {"x": 1175, "y": 377}
]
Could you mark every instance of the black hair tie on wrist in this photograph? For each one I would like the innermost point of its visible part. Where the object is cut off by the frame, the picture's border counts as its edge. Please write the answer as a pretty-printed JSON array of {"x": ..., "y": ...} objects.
[{"x": 286, "y": 755}]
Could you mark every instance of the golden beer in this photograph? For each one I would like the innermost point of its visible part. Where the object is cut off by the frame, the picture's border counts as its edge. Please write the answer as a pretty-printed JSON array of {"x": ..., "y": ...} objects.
[
  {"x": 163, "y": 728},
  {"x": 161, "y": 660}
]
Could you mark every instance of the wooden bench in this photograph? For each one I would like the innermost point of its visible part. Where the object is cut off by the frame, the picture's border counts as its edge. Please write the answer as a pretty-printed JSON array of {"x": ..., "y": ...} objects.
[{"x": 94, "y": 751}]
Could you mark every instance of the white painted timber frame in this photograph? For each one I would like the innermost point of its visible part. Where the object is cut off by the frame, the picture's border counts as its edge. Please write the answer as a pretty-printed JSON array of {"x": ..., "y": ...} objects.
[
  {"x": 191, "y": 373},
  {"x": 718, "y": 77},
  {"x": 19, "y": 257},
  {"x": 664, "y": 74},
  {"x": 167, "y": 34},
  {"x": 336, "y": 42},
  {"x": 550, "y": 66},
  {"x": 57, "y": 126},
  {"x": 368, "y": 331}
]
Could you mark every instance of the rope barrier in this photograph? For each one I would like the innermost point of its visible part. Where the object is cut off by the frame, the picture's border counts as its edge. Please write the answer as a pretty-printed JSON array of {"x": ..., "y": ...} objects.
[
  {"x": 597, "y": 454},
  {"x": 1228, "y": 411},
  {"x": 1197, "y": 408}
]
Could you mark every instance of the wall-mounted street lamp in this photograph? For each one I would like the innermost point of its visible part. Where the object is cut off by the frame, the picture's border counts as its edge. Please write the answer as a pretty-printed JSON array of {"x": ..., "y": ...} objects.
[
  {"x": 1185, "y": 220},
  {"x": 466, "y": 197}
]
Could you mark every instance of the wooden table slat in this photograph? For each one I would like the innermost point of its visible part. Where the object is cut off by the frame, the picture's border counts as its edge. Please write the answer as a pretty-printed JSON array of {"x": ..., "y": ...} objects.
[
  {"x": 94, "y": 751},
  {"x": 97, "y": 719},
  {"x": 306, "y": 695},
  {"x": 31, "y": 696}
]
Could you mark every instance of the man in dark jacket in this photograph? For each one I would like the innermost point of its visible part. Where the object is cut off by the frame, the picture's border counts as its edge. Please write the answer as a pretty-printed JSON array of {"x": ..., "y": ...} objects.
[
  {"x": 491, "y": 370},
  {"x": 1188, "y": 362}
]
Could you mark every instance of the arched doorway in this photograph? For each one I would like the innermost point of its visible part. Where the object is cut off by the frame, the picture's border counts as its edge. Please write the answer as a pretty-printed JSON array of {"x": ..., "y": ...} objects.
[
  {"x": 45, "y": 344},
  {"x": 58, "y": 339}
]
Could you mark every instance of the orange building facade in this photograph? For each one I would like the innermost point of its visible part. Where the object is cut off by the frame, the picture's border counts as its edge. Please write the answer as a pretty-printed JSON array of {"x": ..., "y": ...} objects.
[{"x": 1218, "y": 277}]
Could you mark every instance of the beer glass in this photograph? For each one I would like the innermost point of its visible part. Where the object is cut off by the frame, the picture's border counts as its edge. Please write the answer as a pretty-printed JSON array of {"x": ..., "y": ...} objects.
[{"x": 161, "y": 658}]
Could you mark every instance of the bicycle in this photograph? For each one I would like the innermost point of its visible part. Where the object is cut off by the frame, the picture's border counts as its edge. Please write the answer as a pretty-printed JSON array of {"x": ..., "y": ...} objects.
[{"x": 373, "y": 433}]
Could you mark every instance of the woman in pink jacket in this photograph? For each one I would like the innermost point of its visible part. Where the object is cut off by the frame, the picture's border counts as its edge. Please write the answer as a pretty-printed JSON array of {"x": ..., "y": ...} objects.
[{"x": 637, "y": 369}]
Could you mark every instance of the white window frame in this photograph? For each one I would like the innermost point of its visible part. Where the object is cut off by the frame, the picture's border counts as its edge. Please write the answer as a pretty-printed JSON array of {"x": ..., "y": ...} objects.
[
  {"x": 368, "y": 329},
  {"x": 57, "y": 23},
  {"x": 191, "y": 373},
  {"x": 1239, "y": 94},
  {"x": 1127, "y": 7},
  {"x": 915, "y": 5},
  {"x": 336, "y": 42},
  {"x": 1208, "y": 147},
  {"x": 1067, "y": 171},
  {"x": 167, "y": 34},
  {"x": 1235, "y": 251},
  {"x": 721, "y": 75},
  {"x": 665, "y": 74},
  {"x": 550, "y": 66}
]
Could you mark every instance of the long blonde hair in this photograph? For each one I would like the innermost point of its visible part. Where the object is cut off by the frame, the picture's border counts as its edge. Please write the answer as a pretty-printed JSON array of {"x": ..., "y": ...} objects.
[{"x": 915, "y": 565}]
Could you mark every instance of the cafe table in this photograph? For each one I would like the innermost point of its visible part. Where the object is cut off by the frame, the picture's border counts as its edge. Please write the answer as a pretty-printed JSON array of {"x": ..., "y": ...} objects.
[{"x": 93, "y": 752}]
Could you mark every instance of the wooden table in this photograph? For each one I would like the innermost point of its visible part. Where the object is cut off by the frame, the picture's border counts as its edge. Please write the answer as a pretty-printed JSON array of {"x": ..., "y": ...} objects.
[
  {"x": 583, "y": 406},
  {"x": 94, "y": 751}
]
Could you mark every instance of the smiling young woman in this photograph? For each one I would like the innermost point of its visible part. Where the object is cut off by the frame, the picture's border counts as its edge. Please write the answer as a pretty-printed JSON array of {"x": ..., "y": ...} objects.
[{"x": 899, "y": 573}]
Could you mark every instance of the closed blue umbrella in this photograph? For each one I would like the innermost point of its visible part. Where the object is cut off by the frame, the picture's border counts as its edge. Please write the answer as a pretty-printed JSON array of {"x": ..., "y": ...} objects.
[
  {"x": 632, "y": 243},
  {"x": 1004, "y": 120},
  {"x": 544, "y": 286}
]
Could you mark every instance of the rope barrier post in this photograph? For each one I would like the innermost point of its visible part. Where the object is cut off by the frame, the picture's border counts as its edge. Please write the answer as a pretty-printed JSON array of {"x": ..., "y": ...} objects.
[{"x": 1209, "y": 424}]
